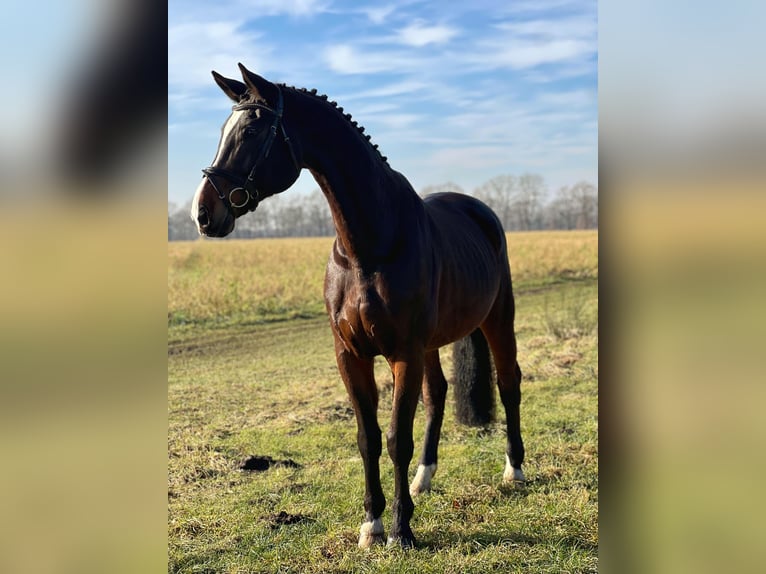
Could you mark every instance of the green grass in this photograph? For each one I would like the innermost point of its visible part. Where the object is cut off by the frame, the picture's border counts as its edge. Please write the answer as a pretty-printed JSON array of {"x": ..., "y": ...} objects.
[{"x": 246, "y": 386}]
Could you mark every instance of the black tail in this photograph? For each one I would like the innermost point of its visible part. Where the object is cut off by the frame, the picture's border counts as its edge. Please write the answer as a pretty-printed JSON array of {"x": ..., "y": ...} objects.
[{"x": 474, "y": 398}]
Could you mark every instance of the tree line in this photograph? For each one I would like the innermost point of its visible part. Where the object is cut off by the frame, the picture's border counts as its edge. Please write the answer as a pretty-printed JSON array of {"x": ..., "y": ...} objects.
[{"x": 521, "y": 202}]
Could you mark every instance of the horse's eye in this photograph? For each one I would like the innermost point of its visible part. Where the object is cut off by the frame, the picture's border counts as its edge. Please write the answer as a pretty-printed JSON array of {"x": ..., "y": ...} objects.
[{"x": 250, "y": 132}]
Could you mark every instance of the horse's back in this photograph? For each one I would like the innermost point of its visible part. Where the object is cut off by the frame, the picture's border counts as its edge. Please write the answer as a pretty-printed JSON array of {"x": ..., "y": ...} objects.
[{"x": 459, "y": 216}]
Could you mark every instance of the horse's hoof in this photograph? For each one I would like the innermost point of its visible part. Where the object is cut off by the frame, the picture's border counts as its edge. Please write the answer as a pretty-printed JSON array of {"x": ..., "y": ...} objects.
[
  {"x": 511, "y": 474},
  {"x": 404, "y": 542},
  {"x": 422, "y": 481},
  {"x": 371, "y": 533}
]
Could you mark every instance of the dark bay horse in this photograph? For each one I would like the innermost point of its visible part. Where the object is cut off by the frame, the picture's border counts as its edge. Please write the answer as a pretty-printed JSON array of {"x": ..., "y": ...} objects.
[{"x": 405, "y": 277}]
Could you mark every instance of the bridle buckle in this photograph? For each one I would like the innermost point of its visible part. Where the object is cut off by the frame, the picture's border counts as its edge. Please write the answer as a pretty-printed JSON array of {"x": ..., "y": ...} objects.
[{"x": 244, "y": 203}]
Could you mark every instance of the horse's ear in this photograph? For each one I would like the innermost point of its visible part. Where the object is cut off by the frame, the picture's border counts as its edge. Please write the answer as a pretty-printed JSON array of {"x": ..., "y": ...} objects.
[
  {"x": 260, "y": 87},
  {"x": 231, "y": 88}
]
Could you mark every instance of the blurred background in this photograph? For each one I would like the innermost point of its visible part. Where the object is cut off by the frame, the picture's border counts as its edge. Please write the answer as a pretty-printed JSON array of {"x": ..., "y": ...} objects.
[
  {"x": 83, "y": 180},
  {"x": 682, "y": 144},
  {"x": 83, "y": 159}
]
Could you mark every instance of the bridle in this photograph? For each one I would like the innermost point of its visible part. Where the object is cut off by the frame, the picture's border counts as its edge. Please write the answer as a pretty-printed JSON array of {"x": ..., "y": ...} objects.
[{"x": 248, "y": 184}]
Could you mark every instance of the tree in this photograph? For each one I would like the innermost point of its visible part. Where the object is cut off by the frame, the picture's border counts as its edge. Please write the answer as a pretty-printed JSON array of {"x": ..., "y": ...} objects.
[
  {"x": 517, "y": 201},
  {"x": 575, "y": 207},
  {"x": 318, "y": 217},
  {"x": 180, "y": 225},
  {"x": 498, "y": 194},
  {"x": 526, "y": 204},
  {"x": 585, "y": 199}
]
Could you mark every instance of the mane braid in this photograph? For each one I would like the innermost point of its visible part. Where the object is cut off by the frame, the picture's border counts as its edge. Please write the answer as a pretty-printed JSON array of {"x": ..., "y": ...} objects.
[{"x": 360, "y": 129}]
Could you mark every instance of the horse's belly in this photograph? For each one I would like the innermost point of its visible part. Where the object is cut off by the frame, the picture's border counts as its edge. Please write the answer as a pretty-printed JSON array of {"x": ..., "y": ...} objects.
[
  {"x": 463, "y": 304},
  {"x": 452, "y": 328}
]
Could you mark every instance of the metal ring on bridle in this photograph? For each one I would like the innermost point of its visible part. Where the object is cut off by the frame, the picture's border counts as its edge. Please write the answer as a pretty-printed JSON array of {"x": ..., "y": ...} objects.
[{"x": 244, "y": 203}]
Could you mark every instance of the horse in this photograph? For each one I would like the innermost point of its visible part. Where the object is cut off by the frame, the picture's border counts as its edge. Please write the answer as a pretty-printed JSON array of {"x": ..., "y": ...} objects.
[{"x": 405, "y": 277}]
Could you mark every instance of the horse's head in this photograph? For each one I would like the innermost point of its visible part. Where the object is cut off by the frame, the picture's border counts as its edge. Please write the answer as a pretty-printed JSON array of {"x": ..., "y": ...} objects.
[{"x": 255, "y": 158}]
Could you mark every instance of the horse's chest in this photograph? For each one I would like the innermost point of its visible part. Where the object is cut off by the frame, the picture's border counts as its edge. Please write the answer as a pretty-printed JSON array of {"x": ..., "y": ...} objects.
[{"x": 362, "y": 318}]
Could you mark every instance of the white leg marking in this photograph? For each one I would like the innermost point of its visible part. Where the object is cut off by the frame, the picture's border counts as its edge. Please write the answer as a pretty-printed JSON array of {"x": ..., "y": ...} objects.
[
  {"x": 512, "y": 474},
  {"x": 422, "y": 481},
  {"x": 371, "y": 532}
]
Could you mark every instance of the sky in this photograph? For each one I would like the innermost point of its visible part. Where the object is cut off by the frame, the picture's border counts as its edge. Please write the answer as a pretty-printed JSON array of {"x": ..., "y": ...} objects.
[{"x": 451, "y": 91}]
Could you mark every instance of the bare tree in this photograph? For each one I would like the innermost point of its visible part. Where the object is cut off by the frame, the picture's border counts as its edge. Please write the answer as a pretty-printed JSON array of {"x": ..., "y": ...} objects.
[
  {"x": 527, "y": 202},
  {"x": 575, "y": 207},
  {"x": 518, "y": 202},
  {"x": 585, "y": 199},
  {"x": 180, "y": 225},
  {"x": 498, "y": 193},
  {"x": 318, "y": 217}
]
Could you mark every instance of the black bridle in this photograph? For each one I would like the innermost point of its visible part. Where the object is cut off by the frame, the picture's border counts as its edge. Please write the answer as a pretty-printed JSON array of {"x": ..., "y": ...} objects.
[{"x": 248, "y": 184}]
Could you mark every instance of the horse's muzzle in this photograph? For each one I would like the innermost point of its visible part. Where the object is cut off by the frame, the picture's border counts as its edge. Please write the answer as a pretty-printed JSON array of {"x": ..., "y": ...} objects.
[
  {"x": 208, "y": 227},
  {"x": 203, "y": 220}
]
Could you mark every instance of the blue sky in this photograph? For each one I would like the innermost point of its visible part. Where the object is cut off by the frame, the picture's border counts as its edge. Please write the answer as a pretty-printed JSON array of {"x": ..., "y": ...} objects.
[{"x": 451, "y": 91}]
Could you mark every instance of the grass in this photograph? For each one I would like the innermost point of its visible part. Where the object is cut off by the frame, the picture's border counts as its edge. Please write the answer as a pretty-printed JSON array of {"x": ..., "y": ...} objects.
[
  {"x": 574, "y": 316},
  {"x": 262, "y": 381}
]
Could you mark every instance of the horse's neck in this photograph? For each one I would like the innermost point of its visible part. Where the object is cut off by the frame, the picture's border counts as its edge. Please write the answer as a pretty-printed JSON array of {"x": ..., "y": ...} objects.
[{"x": 367, "y": 198}]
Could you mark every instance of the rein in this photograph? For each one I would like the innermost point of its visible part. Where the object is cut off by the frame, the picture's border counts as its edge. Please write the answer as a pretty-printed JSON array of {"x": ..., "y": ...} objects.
[{"x": 248, "y": 184}]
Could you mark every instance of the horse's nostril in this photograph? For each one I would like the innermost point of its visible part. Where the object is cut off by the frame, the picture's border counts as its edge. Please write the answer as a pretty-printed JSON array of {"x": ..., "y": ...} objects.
[{"x": 202, "y": 217}]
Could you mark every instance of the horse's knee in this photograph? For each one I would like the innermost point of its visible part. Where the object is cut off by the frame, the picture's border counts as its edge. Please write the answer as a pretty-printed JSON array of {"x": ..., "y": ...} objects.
[
  {"x": 369, "y": 443},
  {"x": 400, "y": 447}
]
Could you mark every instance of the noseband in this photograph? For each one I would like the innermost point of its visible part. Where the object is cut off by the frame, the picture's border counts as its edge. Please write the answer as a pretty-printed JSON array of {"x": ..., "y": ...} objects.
[{"x": 248, "y": 184}]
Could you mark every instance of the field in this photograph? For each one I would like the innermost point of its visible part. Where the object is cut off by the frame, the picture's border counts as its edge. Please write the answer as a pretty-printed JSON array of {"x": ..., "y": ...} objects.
[{"x": 251, "y": 373}]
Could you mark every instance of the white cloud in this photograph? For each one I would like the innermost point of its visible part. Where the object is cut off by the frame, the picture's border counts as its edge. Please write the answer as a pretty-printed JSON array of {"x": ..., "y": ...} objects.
[
  {"x": 396, "y": 121},
  {"x": 527, "y": 44},
  {"x": 567, "y": 100},
  {"x": 525, "y": 54},
  {"x": 346, "y": 59},
  {"x": 196, "y": 48},
  {"x": 379, "y": 14},
  {"x": 419, "y": 34},
  {"x": 247, "y": 9},
  {"x": 474, "y": 157},
  {"x": 290, "y": 7},
  {"x": 572, "y": 27},
  {"x": 533, "y": 6},
  {"x": 388, "y": 90}
]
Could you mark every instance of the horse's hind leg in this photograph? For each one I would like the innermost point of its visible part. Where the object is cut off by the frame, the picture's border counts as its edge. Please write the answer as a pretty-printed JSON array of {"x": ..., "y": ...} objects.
[
  {"x": 498, "y": 330},
  {"x": 434, "y": 393}
]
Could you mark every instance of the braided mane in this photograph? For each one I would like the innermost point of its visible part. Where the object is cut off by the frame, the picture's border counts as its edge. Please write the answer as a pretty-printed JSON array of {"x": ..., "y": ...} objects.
[{"x": 348, "y": 118}]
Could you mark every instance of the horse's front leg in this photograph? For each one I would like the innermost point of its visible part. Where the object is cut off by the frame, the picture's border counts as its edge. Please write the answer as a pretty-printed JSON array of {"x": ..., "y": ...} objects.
[
  {"x": 358, "y": 376},
  {"x": 408, "y": 374}
]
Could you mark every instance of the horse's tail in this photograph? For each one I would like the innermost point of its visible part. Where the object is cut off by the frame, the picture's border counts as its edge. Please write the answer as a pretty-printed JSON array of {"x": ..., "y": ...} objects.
[{"x": 474, "y": 398}]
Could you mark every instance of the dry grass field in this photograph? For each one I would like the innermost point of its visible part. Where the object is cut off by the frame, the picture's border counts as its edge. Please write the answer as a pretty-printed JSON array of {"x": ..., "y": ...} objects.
[{"x": 270, "y": 279}]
